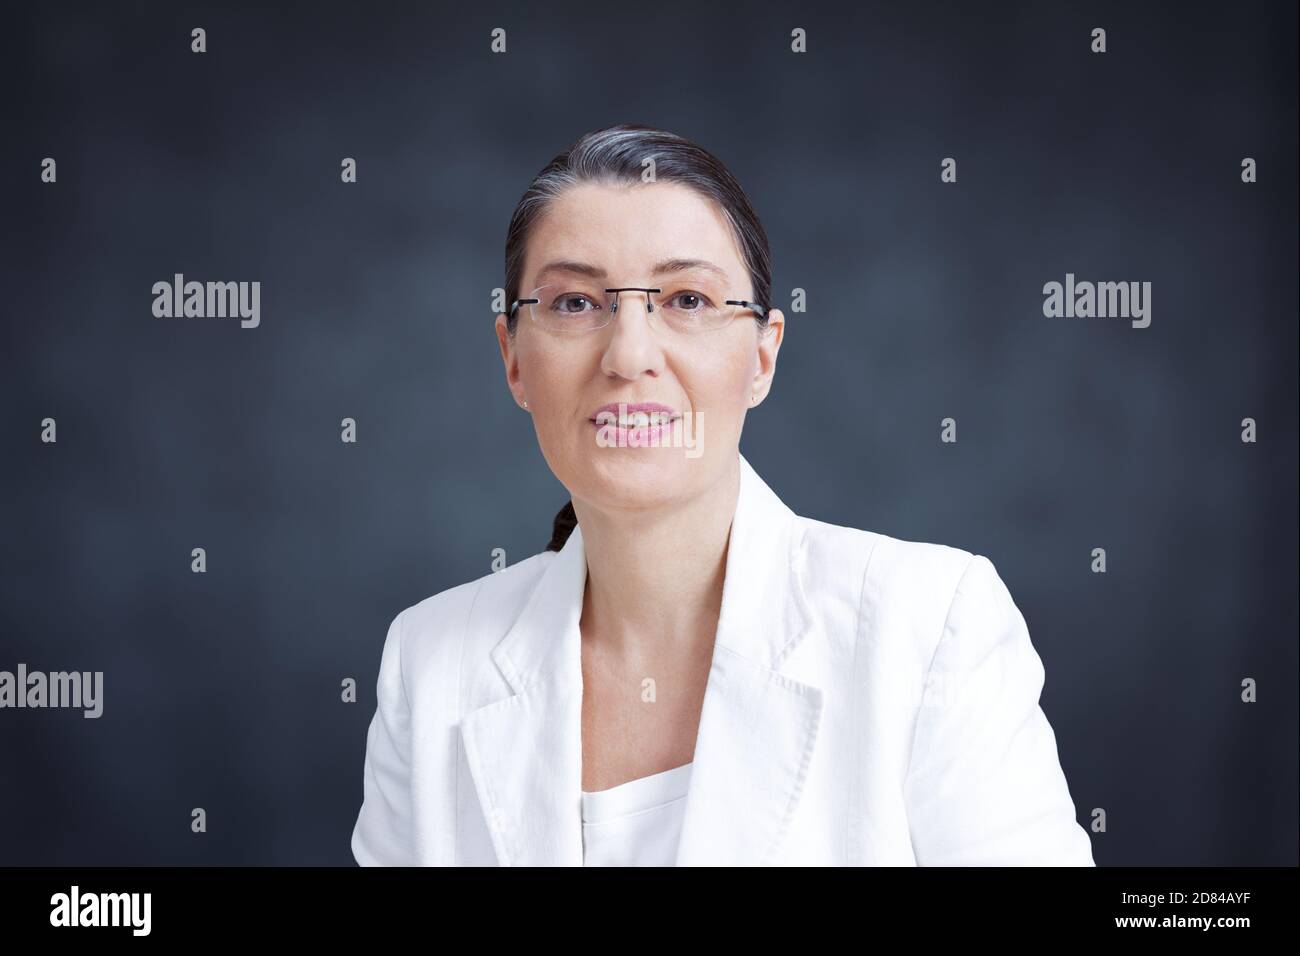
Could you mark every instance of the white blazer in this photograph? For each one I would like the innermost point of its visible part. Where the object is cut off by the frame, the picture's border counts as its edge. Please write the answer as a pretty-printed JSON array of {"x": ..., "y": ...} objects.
[{"x": 871, "y": 701}]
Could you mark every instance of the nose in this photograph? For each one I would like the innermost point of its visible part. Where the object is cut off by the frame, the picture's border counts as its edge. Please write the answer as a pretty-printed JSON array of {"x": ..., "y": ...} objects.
[{"x": 633, "y": 348}]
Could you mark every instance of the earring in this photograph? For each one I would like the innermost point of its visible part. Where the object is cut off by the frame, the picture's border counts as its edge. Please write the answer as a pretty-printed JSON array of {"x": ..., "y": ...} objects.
[
  {"x": 753, "y": 399},
  {"x": 525, "y": 403}
]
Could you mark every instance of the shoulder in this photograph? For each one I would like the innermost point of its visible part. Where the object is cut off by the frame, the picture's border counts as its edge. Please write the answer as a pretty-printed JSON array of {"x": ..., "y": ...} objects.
[
  {"x": 423, "y": 635},
  {"x": 882, "y": 567},
  {"x": 901, "y": 589}
]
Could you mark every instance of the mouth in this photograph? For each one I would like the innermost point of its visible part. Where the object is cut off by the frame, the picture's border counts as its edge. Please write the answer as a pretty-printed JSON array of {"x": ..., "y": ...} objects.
[{"x": 635, "y": 416}]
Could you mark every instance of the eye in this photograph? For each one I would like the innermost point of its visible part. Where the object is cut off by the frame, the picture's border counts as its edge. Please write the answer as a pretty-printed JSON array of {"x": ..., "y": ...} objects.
[
  {"x": 571, "y": 303},
  {"x": 688, "y": 301}
]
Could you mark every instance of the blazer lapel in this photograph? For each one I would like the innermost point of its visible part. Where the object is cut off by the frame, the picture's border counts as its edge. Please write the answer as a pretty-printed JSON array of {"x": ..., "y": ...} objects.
[
  {"x": 525, "y": 752},
  {"x": 757, "y": 731},
  {"x": 758, "y": 727}
]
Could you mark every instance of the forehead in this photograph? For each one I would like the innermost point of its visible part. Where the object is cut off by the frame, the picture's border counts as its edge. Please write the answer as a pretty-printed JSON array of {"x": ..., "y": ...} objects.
[{"x": 626, "y": 229}]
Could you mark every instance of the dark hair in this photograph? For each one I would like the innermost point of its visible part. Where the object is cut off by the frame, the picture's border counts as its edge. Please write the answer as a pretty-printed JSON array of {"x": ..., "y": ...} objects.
[{"x": 615, "y": 155}]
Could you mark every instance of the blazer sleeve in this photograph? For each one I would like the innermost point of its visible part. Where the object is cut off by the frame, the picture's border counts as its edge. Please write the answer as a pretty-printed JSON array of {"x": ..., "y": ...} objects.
[
  {"x": 383, "y": 832},
  {"x": 984, "y": 785}
]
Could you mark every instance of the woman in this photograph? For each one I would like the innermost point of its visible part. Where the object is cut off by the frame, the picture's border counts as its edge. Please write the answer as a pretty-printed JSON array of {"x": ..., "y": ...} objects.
[{"x": 691, "y": 673}]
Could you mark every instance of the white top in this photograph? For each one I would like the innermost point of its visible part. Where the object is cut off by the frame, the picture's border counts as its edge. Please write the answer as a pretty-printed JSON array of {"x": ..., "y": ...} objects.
[{"x": 637, "y": 823}]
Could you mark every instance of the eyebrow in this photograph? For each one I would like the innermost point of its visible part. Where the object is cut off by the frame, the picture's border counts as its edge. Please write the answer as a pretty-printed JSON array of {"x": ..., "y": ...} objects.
[{"x": 662, "y": 268}]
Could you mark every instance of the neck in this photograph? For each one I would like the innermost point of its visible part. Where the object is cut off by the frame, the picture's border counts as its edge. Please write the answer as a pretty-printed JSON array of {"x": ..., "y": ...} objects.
[{"x": 655, "y": 578}]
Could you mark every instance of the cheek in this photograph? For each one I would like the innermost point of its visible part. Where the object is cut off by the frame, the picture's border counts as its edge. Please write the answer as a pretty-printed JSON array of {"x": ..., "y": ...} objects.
[
  {"x": 547, "y": 373},
  {"x": 554, "y": 379},
  {"x": 720, "y": 377}
]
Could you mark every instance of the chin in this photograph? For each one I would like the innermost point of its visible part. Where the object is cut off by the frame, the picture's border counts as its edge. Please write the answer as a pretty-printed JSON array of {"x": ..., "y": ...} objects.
[{"x": 634, "y": 477}]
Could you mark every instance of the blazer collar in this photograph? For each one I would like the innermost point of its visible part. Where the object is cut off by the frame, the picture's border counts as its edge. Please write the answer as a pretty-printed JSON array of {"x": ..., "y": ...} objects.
[{"x": 757, "y": 731}]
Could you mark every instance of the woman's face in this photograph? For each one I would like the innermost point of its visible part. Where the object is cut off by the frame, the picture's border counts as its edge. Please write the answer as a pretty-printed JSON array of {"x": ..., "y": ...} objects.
[{"x": 709, "y": 378}]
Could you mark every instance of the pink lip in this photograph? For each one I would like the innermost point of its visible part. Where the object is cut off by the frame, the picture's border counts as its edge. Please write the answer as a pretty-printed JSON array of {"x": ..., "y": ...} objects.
[{"x": 635, "y": 437}]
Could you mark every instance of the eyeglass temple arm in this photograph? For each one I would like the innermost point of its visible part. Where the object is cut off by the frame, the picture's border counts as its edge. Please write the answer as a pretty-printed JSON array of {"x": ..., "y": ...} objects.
[
  {"x": 761, "y": 310},
  {"x": 514, "y": 306}
]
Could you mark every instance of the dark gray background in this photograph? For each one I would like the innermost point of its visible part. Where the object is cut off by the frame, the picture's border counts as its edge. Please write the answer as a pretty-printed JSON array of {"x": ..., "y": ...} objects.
[{"x": 222, "y": 690}]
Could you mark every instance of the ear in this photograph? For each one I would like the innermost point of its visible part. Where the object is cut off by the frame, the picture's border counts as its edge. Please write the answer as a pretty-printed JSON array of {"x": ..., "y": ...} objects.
[
  {"x": 769, "y": 344},
  {"x": 510, "y": 357}
]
